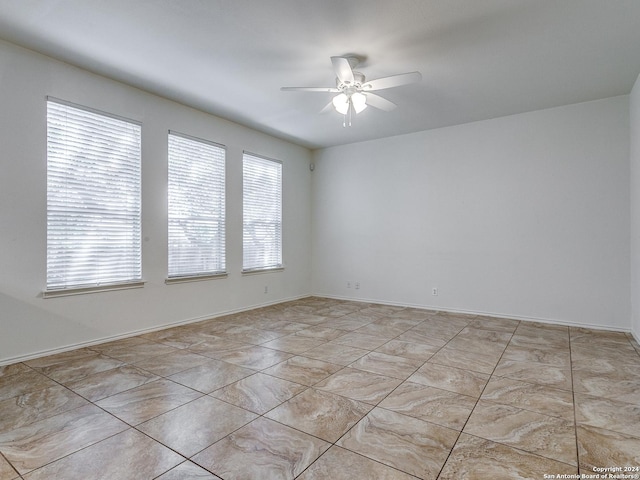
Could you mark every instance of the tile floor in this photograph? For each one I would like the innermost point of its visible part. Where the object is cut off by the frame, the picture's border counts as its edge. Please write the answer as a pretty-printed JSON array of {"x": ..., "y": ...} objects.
[{"x": 327, "y": 389}]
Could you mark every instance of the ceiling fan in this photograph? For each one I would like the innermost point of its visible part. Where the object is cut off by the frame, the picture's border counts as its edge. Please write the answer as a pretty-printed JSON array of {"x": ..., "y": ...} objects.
[{"x": 354, "y": 91}]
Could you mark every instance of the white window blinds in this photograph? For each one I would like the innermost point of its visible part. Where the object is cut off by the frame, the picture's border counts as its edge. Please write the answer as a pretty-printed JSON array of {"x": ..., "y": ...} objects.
[
  {"x": 261, "y": 213},
  {"x": 93, "y": 199},
  {"x": 196, "y": 207}
]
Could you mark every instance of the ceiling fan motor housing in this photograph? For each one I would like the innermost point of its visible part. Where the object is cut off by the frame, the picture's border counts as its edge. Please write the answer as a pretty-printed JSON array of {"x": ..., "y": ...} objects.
[{"x": 358, "y": 81}]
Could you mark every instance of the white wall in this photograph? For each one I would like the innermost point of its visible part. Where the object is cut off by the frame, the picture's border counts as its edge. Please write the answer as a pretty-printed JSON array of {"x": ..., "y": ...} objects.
[
  {"x": 29, "y": 324},
  {"x": 524, "y": 216},
  {"x": 635, "y": 208}
]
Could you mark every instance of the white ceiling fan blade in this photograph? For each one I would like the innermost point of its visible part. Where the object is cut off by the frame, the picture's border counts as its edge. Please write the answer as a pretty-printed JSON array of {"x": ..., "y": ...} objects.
[
  {"x": 310, "y": 89},
  {"x": 377, "y": 101},
  {"x": 343, "y": 69},
  {"x": 392, "y": 81},
  {"x": 328, "y": 108}
]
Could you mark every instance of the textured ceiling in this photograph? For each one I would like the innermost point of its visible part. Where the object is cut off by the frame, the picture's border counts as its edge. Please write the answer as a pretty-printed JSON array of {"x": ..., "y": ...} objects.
[{"x": 479, "y": 58}]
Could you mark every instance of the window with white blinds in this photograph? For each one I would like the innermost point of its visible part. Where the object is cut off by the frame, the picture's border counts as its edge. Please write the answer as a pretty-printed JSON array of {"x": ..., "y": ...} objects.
[
  {"x": 93, "y": 199},
  {"x": 261, "y": 213},
  {"x": 196, "y": 207}
]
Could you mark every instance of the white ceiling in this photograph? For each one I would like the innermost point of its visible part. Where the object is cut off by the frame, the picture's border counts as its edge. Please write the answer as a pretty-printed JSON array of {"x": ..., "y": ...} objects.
[{"x": 479, "y": 58}]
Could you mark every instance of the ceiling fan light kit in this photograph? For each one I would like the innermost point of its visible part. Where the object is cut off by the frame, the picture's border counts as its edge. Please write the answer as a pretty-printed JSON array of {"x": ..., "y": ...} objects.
[{"x": 353, "y": 91}]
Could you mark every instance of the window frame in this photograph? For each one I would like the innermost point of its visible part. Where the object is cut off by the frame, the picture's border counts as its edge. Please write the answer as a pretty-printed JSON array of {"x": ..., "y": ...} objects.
[
  {"x": 279, "y": 265},
  {"x": 55, "y": 164},
  {"x": 209, "y": 274}
]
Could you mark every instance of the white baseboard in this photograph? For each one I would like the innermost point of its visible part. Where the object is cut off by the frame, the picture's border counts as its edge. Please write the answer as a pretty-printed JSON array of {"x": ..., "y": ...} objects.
[
  {"x": 42, "y": 353},
  {"x": 474, "y": 312},
  {"x": 133, "y": 333}
]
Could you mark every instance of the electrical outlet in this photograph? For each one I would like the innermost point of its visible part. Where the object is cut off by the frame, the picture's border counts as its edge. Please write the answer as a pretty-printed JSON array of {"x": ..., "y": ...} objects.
[
  {"x": 357, "y": 285},
  {"x": 434, "y": 291},
  {"x": 348, "y": 284},
  {"x": 266, "y": 289}
]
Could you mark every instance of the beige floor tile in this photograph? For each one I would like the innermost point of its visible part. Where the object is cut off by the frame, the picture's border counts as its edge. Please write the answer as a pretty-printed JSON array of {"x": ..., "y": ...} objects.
[
  {"x": 196, "y": 425},
  {"x": 129, "y": 455},
  {"x": 437, "y": 323},
  {"x": 306, "y": 318},
  {"x": 623, "y": 384},
  {"x": 139, "y": 352},
  {"x": 30, "y": 407},
  {"x": 607, "y": 413},
  {"x": 398, "y": 321},
  {"x": 388, "y": 365},
  {"x": 187, "y": 471},
  {"x": 359, "y": 385},
  {"x": 321, "y": 332},
  {"x": 281, "y": 326},
  {"x": 340, "y": 464},
  {"x": 6, "y": 370},
  {"x": 21, "y": 383},
  {"x": 530, "y": 396},
  {"x": 378, "y": 329},
  {"x": 171, "y": 363},
  {"x": 258, "y": 393},
  {"x": 483, "y": 362},
  {"x": 590, "y": 354},
  {"x": 475, "y": 458},
  {"x": 431, "y": 404},
  {"x": 215, "y": 346},
  {"x": 598, "y": 447},
  {"x": 349, "y": 322},
  {"x": 360, "y": 340},
  {"x": 147, "y": 401},
  {"x": 262, "y": 450},
  {"x": 336, "y": 353},
  {"x": 60, "y": 358},
  {"x": 41, "y": 442},
  {"x": 256, "y": 358},
  {"x": 210, "y": 376},
  {"x": 320, "y": 414},
  {"x": 338, "y": 310},
  {"x": 590, "y": 336},
  {"x": 72, "y": 370},
  {"x": 533, "y": 432},
  {"x": 7, "y": 472},
  {"x": 427, "y": 338},
  {"x": 176, "y": 337},
  {"x": 414, "y": 351},
  {"x": 547, "y": 355},
  {"x": 418, "y": 314},
  {"x": 254, "y": 336},
  {"x": 557, "y": 377},
  {"x": 521, "y": 427},
  {"x": 405, "y": 443},
  {"x": 495, "y": 336},
  {"x": 100, "y": 385},
  {"x": 497, "y": 324},
  {"x": 303, "y": 370},
  {"x": 294, "y": 343},
  {"x": 452, "y": 379},
  {"x": 477, "y": 345},
  {"x": 536, "y": 338}
]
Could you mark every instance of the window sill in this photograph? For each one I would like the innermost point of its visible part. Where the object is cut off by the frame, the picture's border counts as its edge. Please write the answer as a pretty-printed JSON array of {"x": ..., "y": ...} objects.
[
  {"x": 194, "y": 278},
  {"x": 258, "y": 271},
  {"x": 65, "y": 292}
]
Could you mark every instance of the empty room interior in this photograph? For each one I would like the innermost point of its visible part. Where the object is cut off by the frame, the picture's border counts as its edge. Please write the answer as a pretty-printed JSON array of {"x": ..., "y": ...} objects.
[{"x": 337, "y": 239}]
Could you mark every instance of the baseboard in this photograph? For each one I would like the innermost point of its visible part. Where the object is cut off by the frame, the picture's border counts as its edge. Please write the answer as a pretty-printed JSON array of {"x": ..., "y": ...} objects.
[
  {"x": 475, "y": 312},
  {"x": 133, "y": 333}
]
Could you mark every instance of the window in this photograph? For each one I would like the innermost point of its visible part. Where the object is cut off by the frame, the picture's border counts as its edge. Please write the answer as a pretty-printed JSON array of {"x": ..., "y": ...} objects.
[
  {"x": 196, "y": 207},
  {"x": 261, "y": 213},
  {"x": 93, "y": 199}
]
